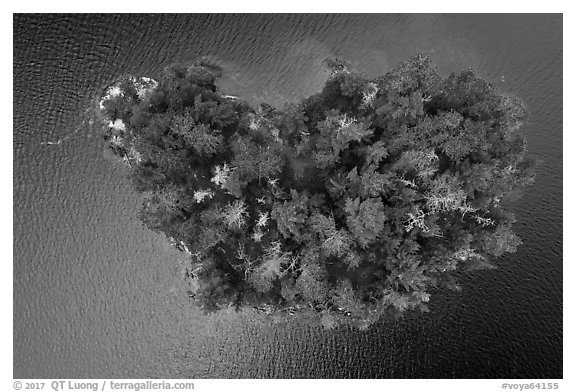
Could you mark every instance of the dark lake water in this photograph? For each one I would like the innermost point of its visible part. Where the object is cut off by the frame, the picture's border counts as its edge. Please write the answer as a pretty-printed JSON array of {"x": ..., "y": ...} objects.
[{"x": 98, "y": 296}]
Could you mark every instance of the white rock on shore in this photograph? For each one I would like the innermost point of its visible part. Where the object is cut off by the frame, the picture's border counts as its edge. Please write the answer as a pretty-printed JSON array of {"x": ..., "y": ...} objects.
[
  {"x": 112, "y": 92},
  {"x": 143, "y": 86},
  {"x": 118, "y": 125}
]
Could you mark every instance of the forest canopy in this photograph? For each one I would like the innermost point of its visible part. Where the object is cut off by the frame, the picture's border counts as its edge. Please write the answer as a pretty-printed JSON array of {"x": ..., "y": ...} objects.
[{"x": 353, "y": 204}]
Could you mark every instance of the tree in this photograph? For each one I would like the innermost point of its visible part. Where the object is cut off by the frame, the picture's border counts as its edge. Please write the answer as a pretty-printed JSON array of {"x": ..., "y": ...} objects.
[
  {"x": 290, "y": 216},
  {"x": 197, "y": 137},
  {"x": 365, "y": 219}
]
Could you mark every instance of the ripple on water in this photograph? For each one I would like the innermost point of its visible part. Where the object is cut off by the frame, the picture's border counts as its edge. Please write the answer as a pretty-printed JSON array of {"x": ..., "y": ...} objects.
[{"x": 97, "y": 295}]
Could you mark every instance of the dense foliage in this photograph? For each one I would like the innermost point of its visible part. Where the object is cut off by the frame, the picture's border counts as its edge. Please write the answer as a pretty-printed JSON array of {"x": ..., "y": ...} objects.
[{"x": 354, "y": 203}]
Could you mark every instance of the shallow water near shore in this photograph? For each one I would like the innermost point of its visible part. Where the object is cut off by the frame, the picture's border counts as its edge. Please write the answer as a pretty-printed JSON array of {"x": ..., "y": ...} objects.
[{"x": 96, "y": 295}]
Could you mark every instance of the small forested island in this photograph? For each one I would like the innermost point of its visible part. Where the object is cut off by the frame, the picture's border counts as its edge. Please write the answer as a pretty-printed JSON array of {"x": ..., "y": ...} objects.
[{"x": 353, "y": 204}]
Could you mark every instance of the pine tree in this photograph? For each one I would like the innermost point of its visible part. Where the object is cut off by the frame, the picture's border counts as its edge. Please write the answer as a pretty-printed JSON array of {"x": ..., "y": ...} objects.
[
  {"x": 365, "y": 219},
  {"x": 196, "y": 136},
  {"x": 291, "y": 215}
]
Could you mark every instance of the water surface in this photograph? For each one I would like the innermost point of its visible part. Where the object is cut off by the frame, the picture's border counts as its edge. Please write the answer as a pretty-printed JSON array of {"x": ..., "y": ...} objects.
[{"x": 97, "y": 295}]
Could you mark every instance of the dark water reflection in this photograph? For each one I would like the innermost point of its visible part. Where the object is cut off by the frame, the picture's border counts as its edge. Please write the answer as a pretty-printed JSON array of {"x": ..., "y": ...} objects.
[{"x": 97, "y": 295}]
